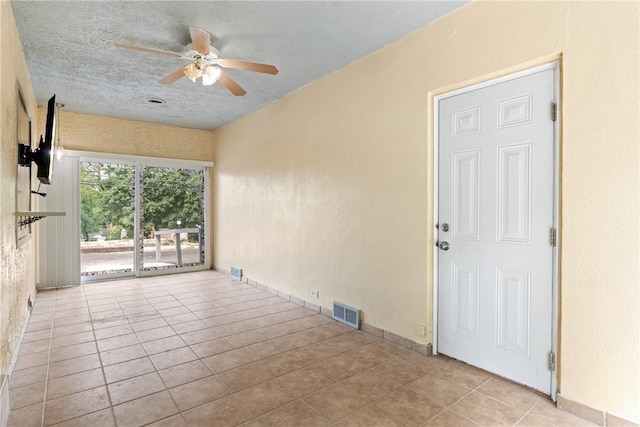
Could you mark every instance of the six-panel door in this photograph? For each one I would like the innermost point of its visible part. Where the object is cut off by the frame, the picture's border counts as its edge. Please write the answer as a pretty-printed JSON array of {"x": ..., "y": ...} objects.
[{"x": 496, "y": 194}]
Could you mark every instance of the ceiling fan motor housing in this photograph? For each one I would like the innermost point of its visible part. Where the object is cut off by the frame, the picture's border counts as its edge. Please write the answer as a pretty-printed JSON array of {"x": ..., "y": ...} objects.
[{"x": 205, "y": 59}]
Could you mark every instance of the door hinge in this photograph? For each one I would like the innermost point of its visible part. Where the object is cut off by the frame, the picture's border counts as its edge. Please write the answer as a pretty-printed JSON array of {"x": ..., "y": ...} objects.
[
  {"x": 554, "y": 107},
  {"x": 552, "y": 236},
  {"x": 551, "y": 361}
]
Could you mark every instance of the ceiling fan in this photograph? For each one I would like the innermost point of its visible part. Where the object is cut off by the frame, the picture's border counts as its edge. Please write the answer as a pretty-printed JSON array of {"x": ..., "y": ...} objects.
[{"x": 205, "y": 63}]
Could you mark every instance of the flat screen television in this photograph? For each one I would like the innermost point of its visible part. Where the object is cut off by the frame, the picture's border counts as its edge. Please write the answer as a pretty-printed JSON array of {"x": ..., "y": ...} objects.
[{"x": 43, "y": 155}]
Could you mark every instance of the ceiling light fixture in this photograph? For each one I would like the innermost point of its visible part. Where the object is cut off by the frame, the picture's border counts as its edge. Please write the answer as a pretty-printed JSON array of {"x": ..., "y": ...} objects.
[
  {"x": 193, "y": 71},
  {"x": 211, "y": 75}
]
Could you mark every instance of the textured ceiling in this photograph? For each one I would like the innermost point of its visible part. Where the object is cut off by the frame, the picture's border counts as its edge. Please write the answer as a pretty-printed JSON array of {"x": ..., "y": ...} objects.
[{"x": 69, "y": 50}]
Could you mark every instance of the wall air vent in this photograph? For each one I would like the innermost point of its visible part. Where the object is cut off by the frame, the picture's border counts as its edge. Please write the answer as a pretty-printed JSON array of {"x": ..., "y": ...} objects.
[
  {"x": 236, "y": 273},
  {"x": 347, "y": 315}
]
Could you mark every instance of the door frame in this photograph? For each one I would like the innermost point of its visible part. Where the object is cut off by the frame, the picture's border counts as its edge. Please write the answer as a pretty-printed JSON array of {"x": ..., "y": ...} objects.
[{"x": 556, "y": 67}]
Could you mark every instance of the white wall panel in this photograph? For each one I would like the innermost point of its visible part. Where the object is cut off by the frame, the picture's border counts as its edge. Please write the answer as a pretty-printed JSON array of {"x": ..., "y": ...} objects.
[{"x": 59, "y": 255}]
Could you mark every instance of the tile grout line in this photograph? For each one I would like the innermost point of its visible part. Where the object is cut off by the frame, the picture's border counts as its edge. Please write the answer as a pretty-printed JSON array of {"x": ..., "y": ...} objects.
[
  {"x": 157, "y": 371},
  {"x": 102, "y": 367},
  {"x": 332, "y": 384},
  {"x": 17, "y": 356},
  {"x": 526, "y": 414},
  {"x": 445, "y": 408},
  {"x": 477, "y": 390},
  {"x": 214, "y": 374},
  {"x": 46, "y": 379},
  {"x": 277, "y": 354},
  {"x": 162, "y": 288},
  {"x": 104, "y": 376},
  {"x": 154, "y": 366},
  {"x": 250, "y": 318}
]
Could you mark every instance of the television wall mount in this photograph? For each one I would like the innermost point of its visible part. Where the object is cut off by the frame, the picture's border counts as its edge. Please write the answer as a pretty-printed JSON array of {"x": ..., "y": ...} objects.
[{"x": 26, "y": 155}]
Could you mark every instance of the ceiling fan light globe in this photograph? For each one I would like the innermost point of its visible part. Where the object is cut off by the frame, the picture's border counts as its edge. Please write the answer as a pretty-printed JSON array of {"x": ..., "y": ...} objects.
[
  {"x": 211, "y": 75},
  {"x": 207, "y": 80},
  {"x": 193, "y": 71},
  {"x": 213, "y": 72}
]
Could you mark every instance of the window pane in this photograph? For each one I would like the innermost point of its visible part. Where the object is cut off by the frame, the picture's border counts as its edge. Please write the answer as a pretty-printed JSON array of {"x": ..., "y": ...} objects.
[{"x": 172, "y": 217}]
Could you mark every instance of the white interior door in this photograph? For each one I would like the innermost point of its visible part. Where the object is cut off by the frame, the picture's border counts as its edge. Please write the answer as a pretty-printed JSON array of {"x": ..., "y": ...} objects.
[{"x": 495, "y": 214}]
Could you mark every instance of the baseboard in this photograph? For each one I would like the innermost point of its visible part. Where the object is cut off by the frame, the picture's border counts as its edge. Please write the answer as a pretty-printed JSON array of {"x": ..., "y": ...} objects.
[
  {"x": 613, "y": 421},
  {"x": 583, "y": 411},
  {"x": 425, "y": 349},
  {"x": 5, "y": 378},
  {"x": 596, "y": 416},
  {"x": 4, "y": 400}
]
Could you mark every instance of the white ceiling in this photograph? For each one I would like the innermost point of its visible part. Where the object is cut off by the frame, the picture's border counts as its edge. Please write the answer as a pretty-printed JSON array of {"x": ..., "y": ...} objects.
[{"x": 69, "y": 50}]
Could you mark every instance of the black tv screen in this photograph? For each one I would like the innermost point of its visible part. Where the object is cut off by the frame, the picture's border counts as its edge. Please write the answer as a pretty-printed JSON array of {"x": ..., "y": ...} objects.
[{"x": 44, "y": 159}]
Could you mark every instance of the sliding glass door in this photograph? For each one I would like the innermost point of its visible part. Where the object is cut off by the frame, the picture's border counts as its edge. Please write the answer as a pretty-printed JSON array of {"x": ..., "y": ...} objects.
[
  {"x": 140, "y": 217},
  {"x": 171, "y": 218},
  {"x": 106, "y": 220}
]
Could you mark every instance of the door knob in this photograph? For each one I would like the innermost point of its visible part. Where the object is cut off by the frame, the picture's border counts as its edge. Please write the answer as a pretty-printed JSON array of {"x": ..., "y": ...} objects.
[{"x": 444, "y": 246}]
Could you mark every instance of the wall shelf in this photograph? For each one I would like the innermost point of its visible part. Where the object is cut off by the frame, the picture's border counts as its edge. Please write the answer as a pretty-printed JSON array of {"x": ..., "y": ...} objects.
[{"x": 26, "y": 218}]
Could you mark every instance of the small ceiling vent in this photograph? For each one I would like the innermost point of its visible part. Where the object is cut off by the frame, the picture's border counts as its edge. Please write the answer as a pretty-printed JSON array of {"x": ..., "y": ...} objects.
[
  {"x": 347, "y": 315},
  {"x": 155, "y": 101}
]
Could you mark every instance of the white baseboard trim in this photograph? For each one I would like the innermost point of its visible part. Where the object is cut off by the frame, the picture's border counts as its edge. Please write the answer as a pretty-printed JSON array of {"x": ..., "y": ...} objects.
[
  {"x": 425, "y": 349},
  {"x": 596, "y": 416},
  {"x": 4, "y": 400},
  {"x": 6, "y": 377}
]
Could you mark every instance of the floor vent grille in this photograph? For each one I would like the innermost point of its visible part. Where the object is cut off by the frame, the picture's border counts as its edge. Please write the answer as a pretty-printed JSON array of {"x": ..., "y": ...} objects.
[
  {"x": 236, "y": 273},
  {"x": 347, "y": 315}
]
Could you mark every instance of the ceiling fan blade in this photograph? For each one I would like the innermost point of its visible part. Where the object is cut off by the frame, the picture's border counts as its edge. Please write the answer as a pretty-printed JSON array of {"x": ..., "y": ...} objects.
[
  {"x": 173, "y": 77},
  {"x": 251, "y": 66},
  {"x": 147, "y": 49},
  {"x": 201, "y": 40},
  {"x": 231, "y": 85}
]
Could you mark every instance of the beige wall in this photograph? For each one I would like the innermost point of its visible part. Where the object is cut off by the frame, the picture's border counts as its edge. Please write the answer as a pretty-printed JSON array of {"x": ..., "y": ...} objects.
[
  {"x": 84, "y": 132},
  {"x": 330, "y": 188},
  {"x": 17, "y": 278}
]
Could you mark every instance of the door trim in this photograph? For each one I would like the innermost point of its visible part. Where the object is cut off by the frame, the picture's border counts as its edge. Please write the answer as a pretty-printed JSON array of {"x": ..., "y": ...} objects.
[{"x": 555, "y": 66}]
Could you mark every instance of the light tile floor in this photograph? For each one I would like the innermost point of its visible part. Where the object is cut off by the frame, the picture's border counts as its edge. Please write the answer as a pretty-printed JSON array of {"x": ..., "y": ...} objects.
[{"x": 199, "y": 349}]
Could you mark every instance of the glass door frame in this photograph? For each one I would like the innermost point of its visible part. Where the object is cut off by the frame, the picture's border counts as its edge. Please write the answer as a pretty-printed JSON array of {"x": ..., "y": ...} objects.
[
  {"x": 138, "y": 162},
  {"x": 134, "y": 267},
  {"x": 206, "y": 265}
]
